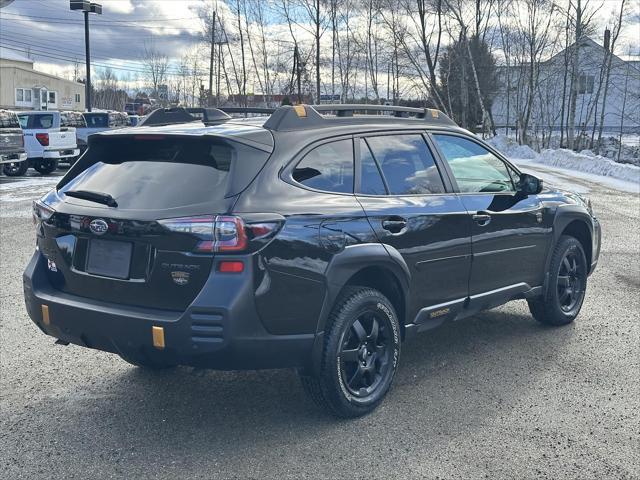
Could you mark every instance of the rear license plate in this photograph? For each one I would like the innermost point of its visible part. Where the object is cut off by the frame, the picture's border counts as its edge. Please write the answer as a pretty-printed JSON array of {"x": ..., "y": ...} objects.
[{"x": 109, "y": 259}]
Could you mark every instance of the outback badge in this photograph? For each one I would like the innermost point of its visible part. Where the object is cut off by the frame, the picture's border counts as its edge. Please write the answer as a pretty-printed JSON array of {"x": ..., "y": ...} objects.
[{"x": 180, "y": 278}]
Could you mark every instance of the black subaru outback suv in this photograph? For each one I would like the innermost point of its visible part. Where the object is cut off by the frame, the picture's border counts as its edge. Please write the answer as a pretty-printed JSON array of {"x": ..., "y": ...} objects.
[{"x": 314, "y": 238}]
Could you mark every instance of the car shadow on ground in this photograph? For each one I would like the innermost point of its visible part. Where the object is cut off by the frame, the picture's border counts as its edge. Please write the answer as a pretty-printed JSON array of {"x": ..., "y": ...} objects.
[{"x": 470, "y": 369}]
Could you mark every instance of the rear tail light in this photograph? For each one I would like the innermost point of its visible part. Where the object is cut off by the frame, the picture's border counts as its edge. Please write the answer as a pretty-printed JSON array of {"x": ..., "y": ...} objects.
[
  {"x": 220, "y": 233},
  {"x": 43, "y": 138},
  {"x": 41, "y": 213}
]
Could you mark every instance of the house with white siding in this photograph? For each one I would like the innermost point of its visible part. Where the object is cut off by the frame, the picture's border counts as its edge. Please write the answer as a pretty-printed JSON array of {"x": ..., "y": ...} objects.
[{"x": 552, "y": 98}]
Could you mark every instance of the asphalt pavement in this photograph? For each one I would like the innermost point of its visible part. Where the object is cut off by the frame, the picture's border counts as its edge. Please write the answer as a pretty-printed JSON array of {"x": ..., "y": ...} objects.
[{"x": 494, "y": 396}]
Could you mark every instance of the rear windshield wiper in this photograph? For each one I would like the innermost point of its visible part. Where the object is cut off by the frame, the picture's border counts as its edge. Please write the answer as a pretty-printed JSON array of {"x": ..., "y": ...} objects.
[{"x": 97, "y": 197}]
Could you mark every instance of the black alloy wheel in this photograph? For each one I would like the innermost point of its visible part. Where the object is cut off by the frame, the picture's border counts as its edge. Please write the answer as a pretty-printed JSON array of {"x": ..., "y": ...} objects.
[
  {"x": 570, "y": 282},
  {"x": 360, "y": 355},
  {"x": 566, "y": 285},
  {"x": 365, "y": 358}
]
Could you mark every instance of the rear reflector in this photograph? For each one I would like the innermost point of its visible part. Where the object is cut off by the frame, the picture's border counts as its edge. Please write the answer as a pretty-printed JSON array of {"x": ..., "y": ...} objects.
[
  {"x": 45, "y": 315},
  {"x": 158, "y": 337},
  {"x": 231, "y": 267}
]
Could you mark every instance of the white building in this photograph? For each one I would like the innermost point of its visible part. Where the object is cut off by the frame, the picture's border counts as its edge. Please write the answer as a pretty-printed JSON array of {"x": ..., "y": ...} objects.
[
  {"x": 23, "y": 88},
  {"x": 624, "y": 89}
]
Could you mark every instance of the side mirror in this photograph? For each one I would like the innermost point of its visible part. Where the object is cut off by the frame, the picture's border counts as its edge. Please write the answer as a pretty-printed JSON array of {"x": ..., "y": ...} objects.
[{"x": 529, "y": 185}]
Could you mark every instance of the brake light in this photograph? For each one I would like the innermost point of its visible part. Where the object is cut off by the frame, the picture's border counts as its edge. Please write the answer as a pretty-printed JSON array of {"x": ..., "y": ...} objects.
[
  {"x": 43, "y": 138},
  {"x": 221, "y": 233}
]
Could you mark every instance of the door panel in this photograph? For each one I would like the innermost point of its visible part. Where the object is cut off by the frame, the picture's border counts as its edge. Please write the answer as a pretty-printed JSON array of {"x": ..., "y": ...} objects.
[
  {"x": 435, "y": 243},
  {"x": 509, "y": 236},
  {"x": 509, "y": 246}
]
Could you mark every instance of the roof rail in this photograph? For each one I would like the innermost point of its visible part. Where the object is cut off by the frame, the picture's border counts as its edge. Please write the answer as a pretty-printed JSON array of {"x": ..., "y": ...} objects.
[
  {"x": 208, "y": 115},
  {"x": 170, "y": 116},
  {"x": 167, "y": 116},
  {"x": 302, "y": 117}
]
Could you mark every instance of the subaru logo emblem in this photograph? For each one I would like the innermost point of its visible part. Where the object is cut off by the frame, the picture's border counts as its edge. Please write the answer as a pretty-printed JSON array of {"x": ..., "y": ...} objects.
[{"x": 98, "y": 226}]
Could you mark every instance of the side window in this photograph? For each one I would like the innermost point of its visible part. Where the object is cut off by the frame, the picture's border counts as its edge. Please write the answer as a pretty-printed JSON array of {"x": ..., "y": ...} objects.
[
  {"x": 328, "y": 167},
  {"x": 370, "y": 180},
  {"x": 475, "y": 168},
  {"x": 407, "y": 164}
]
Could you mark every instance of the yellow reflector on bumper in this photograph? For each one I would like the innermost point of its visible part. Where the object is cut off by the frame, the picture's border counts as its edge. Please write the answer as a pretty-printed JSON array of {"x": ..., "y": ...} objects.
[
  {"x": 45, "y": 315},
  {"x": 158, "y": 337}
]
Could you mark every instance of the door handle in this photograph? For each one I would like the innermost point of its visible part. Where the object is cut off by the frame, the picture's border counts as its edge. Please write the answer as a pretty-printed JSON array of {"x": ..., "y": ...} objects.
[
  {"x": 482, "y": 218},
  {"x": 394, "y": 225}
]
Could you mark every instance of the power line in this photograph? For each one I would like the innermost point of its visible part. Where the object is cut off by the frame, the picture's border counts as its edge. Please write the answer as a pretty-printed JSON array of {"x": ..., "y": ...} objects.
[
  {"x": 79, "y": 21},
  {"x": 68, "y": 58},
  {"x": 54, "y": 22}
]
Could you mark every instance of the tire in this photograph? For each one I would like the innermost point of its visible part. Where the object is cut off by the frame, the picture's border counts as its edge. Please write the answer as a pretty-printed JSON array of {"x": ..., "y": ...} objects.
[
  {"x": 16, "y": 169},
  {"x": 358, "y": 360},
  {"x": 45, "y": 167},
  {"x": 565, "y": 292},
  {"x": 145, "y": 362}
]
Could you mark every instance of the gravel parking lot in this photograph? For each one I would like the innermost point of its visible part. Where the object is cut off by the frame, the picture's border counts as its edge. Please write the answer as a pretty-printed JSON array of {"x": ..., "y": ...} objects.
[{"x": 494, "y": 396}]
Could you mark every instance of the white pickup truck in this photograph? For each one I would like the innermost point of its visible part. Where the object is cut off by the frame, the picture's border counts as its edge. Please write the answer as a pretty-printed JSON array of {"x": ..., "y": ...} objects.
[{"x": 46, "y": 141}]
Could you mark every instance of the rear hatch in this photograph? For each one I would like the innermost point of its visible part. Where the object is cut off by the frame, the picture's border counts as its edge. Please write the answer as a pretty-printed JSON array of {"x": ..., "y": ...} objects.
[
  {"x": 131, "y": 223},
  {"x": 11, "y": 139}
]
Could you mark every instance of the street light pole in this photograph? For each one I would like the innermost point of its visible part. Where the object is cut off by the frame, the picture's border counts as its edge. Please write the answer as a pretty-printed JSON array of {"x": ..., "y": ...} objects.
[
  {"x": 87, "y": 86},
  {"x": 86, "y": 7}
]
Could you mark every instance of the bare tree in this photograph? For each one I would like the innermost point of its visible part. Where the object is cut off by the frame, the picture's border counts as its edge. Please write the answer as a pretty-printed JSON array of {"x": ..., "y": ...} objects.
[
  {"x": 155, "y": 65},
  {"x": 607, "y": 69}
]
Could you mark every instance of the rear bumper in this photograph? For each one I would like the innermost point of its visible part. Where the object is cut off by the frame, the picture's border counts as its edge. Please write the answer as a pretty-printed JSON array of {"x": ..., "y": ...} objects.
[
  {"x": 219, "y": 330},
  {"x": 61, "y": 153},
  {"x": 13, "y": 157}
]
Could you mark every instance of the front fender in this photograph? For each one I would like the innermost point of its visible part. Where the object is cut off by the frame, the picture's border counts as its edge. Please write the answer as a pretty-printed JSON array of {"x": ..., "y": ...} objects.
[{"x": 565, "y": 215}]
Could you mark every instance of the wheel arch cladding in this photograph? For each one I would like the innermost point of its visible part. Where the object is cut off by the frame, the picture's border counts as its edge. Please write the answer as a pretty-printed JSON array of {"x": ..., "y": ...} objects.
[
  {"x": 369, "y": 265},
  {"x": 581, "y": 232}
]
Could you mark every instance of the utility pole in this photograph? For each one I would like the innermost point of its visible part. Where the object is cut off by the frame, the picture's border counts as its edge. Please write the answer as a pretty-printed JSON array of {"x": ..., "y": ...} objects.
[
  {"x": 213, "y": 46},
  {"x": 317, "y": 51},
  {"x": 87, "y": 8}
]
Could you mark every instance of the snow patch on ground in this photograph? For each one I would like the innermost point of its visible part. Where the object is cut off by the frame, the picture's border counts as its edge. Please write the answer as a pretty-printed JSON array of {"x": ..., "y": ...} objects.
[{"x": 584, "y": 161}]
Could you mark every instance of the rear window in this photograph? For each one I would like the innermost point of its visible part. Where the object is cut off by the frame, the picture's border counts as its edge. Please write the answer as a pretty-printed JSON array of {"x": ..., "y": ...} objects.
[
  {"x": 8, "y": 120},
  {"x": 96, "y": 120},
  {"x": 72, "y": 119},
  {"x": 43, "y": 121},
  {"x": 156, "y": 174}
]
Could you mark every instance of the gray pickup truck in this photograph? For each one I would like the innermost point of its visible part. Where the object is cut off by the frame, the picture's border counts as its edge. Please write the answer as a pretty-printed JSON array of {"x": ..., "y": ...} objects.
[{"x": 12, "y": 154}]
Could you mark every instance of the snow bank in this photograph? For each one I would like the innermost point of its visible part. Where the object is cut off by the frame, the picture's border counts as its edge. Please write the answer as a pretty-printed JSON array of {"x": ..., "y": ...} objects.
[
  {"x": 589, "y": 163},
  {"x": 585, "y": 161}
]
